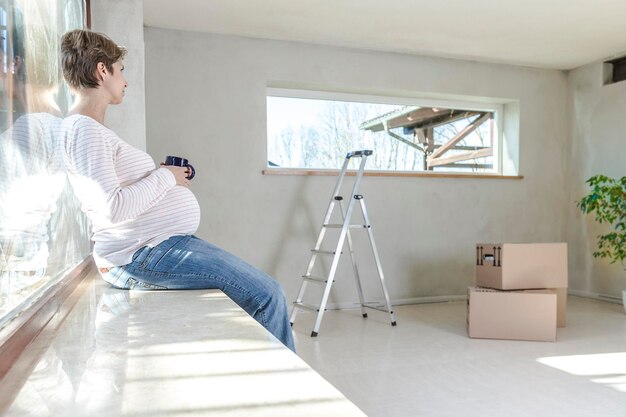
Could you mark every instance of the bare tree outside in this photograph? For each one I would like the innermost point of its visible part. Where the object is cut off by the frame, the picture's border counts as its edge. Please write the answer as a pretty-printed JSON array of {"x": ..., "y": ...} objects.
[{"x": 317, "y": 134}]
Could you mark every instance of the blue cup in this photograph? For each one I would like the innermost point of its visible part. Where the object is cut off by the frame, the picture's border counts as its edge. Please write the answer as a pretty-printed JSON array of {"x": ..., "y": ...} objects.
[{"x": 180, "y": 162}]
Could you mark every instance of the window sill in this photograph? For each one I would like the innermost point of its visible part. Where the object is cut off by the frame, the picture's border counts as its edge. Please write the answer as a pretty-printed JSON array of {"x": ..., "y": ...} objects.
[
  {"x": 46, "y": 312},
  {"x": 335, "y": 172}
]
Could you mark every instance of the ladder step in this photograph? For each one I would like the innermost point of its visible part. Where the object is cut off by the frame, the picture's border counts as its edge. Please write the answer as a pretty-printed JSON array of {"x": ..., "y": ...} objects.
[
  {"x": 351, "y": 226},
  {"x": 316, "y": 280},
  {"x": 306, "y": 306},
  {"x": 324, "y": 252},
  {"x": 365, "y": 152},
  {"x": 376, "y": 306}
]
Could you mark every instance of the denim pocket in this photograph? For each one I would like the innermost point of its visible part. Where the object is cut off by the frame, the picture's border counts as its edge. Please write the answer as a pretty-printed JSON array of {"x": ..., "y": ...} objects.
[{"x": 157, "y": 253}]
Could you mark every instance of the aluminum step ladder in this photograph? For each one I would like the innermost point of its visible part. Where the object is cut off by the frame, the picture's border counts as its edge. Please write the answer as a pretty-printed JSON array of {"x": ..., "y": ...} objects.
[{"x": 345, "y": 226}]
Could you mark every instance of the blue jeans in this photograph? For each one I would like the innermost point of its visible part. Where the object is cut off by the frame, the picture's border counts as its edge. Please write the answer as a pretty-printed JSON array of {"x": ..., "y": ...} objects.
[{"x": 189, "y": 263}]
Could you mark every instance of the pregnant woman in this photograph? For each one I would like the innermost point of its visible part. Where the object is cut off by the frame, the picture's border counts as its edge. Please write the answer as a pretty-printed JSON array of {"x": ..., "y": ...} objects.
[{"x": 144, "y": 217}]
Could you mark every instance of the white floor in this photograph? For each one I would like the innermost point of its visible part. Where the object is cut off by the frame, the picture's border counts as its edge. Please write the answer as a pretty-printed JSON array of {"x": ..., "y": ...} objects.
[{"x": 427, "y": 366}]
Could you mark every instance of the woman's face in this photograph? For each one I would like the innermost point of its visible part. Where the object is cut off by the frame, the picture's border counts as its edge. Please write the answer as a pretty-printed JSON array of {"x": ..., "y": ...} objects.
[{"x": 115, "y": 83}]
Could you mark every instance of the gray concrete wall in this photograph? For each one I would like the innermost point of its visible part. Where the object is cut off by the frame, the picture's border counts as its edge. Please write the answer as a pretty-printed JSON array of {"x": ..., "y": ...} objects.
[
  {"x": 122, "y": 21},
  {"x": 205, "y": 99},
  {"x": 598, "y": 146}
]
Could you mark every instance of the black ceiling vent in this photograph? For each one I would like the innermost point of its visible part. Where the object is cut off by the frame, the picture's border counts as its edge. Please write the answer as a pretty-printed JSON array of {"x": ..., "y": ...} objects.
[{"x": 615, "y": 70}]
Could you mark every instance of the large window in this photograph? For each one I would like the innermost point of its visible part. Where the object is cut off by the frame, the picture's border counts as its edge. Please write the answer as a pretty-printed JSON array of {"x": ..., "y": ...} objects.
[
  {"x": 314, "y": 130},
  {"x": 42, "y": 232}
]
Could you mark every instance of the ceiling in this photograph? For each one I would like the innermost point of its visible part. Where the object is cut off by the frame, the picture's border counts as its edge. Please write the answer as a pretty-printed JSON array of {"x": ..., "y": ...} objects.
[{"x": 556, "y": 34}]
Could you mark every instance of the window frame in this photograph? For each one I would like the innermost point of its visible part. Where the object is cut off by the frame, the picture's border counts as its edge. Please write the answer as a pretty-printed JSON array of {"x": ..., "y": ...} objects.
[
  {"x": 43, "y": 308},
  {"x": 461, "y": 102}
]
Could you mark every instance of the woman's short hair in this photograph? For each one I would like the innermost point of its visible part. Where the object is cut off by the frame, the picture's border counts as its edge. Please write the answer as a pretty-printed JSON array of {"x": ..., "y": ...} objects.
[{"x": 81, "y": 50}]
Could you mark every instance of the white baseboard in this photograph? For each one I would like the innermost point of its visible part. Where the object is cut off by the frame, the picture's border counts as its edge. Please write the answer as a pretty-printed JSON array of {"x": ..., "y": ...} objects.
[
  {"x": 452, "y": 298},
  {"x": 399, "y": 302},
  {"x": 595, "y": 296}
]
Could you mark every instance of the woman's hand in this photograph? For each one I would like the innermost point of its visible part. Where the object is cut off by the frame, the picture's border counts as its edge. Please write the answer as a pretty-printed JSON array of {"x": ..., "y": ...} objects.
[{"x": 180, "y": 173}]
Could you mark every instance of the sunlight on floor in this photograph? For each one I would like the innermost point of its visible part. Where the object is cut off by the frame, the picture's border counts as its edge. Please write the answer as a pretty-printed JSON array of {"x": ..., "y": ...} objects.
[{"x": 605, "y": 368}]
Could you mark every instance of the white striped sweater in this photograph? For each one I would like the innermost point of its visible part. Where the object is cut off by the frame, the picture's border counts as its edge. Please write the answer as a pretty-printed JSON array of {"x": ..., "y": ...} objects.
[{"x": 130, "y": 202}]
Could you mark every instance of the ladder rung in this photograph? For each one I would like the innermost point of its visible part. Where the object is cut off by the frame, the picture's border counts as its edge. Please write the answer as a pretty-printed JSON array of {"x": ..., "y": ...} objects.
[
  {"x": 315, "y": 279},
  {"x": 375, "y": 306},
  {"x": 351, "y": 226},
  {"x": 306, "y": 306},
  {"x": 324, "y": 252},
  {"x": 365, "y": 152}
]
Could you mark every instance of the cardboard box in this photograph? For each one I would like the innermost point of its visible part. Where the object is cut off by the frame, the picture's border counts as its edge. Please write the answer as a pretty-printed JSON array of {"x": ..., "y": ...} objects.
[
  {"x": 514, "y": 266},
  {"x": 516, "y": 315},
  {"x": 561, "y": 306}
]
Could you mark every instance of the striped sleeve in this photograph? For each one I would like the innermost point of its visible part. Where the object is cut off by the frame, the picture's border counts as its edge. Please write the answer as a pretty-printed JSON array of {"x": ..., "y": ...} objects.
[{"x": 91, "y": 158}]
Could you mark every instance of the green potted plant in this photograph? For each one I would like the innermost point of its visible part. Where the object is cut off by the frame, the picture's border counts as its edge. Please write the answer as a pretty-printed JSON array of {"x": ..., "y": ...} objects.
[{"x": 607, "y": 200}]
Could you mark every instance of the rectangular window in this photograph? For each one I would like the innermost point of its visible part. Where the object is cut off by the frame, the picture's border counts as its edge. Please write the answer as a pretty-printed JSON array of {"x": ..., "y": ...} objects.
[{"x": 314, "y": 130}]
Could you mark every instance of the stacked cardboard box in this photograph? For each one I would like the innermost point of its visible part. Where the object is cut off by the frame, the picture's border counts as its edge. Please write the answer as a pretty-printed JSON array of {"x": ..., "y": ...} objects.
[{"x": 520, "y": 293}]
